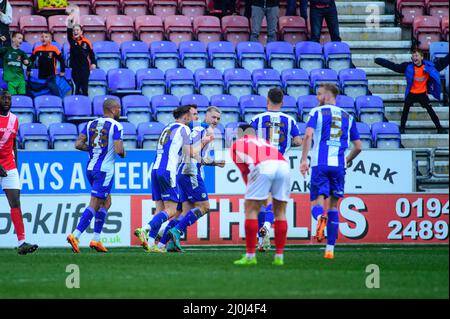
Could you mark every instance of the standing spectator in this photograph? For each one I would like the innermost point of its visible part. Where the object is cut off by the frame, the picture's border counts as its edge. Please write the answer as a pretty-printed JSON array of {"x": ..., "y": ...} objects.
[
  {"x": 228, "y": 7},
  {"x": 292, "y": 8},
  {"x": 5, "y": 20},
  {"x": 248, "y": 9},
  {"x": 13, "y": 61},
  {"x": 324, "y": 9},
  {"x": 47, "y": 55},
  {"x": 422, "y": 77},
  {"x": 270, "y": 9}
]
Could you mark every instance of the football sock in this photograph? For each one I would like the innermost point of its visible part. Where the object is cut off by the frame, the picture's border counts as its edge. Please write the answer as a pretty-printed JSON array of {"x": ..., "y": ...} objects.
[
  {"x": 191, "y": 217},
  {"x": 85, "y": 221},
  {"x": 280, "y": 236},
  {"x": 329, "y": 248},
  {"x": 16, "y": 216},
  {"x": 156, "y": 222},
  {"x": 332, "y": 227},
  {"x": 165, "y": 237},
  {"x": 100, "y": 217},
  {"x": 251, "y": 229},
  {"x": 317, "y": 211}
]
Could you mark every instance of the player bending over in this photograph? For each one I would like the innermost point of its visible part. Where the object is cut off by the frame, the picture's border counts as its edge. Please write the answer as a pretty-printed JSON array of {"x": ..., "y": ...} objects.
[
  {"x": 331, "y": 129},
  {"x": 102, "y": 138},
  {"x": 9, "y": 176},
  {"x": 280, "y": 130},
  {"x": 265, "y": 171}
]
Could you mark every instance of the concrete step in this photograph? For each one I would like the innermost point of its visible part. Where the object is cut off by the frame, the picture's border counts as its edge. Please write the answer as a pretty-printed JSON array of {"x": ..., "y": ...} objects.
[
  {"x": 393, "y": 47},
  {"x": 394, "y": 113},
  {"x": 366, "y": 20},
  {"x": 425, "y": 140},
  {"x": 387, "y": 86},
  {"x": 360, "y": 7},
  {"x": 368, "y": 59},
  {"x": 400, "y": 97},
  {"x": 373, "y": 34},
  {"x": 378, "y": 73},
  {"x": 424, "y": 127}
]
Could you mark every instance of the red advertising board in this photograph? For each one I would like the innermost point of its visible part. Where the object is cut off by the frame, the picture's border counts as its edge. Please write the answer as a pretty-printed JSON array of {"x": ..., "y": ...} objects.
[{"x": 381, "y": 219}]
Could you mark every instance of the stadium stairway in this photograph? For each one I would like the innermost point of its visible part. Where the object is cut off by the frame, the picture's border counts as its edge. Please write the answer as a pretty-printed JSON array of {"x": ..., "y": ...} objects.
[{"x": 390, "y": 41}]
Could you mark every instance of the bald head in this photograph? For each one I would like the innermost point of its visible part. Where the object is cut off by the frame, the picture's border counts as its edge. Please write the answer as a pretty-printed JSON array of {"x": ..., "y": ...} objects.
[{"x": 111, "y": 108}]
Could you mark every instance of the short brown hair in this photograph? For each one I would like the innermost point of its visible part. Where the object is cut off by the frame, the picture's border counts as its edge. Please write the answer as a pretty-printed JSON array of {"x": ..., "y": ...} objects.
[
  {"x": 417, "y": 50},
  {"x": 330, "y": 87},
  {"x": 182, "y": 110},
  {"x": 15, "y": 33},
  {"x": 276, "y": 96}
]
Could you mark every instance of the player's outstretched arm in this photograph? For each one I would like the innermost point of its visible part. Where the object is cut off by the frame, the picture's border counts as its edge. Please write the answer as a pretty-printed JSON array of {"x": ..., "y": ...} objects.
[
  {"x": 399, "y": 68},
  {"x": 304, "y": 166},
  {"x": 118, "y": 147},
  {"x": 80, "y": 144},
  {"x": 357, "y": 148}
]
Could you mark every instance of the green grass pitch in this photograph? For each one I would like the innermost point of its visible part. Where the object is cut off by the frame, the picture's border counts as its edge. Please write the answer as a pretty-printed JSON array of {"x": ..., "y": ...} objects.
[{"x": 405, "y": 272}]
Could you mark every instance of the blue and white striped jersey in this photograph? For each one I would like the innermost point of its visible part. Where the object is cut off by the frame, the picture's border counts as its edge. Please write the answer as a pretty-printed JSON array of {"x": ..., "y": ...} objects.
[
  {"x": 170, "y": 145},
  {"x": 277, "y": 128},
  {"x": 333, "y": 128},
  {"x": 193, "y": 167},
  {"x": 101, "y": 134}
]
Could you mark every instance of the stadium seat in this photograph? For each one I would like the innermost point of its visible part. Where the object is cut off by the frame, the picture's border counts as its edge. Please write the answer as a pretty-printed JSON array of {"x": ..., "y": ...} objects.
[
  {"x": 444, "y": 28},
  {"x": 264, "y": 80},
  {"x": 14, "y": 25},
  {"x": 309, "y": 55},
  {"x": 22, "y": 7},
  {"x": 346, "y": 103},
  {"x": 229, "y": 105},
  {"x": 135, "y": 8},
  {"x": 107, "y": 54},
  {"x": 33, "y": 136},
  {"x": 58, "y": 27},
  {"x": 192, "y": 8},
  {"x": 97, "y": 83},
  {"x": 149, "y": 28},
  {"x": 81, "y": 126},
  {"x": 135, "y": 55},
  {"x": 94, "y": 27},
  {"x": 252, "y": 105},
  {"x": 97, "y": 103},
  {"x": 164, "y": 55},
  {"x": 301, "y": 128},
  {"x": 84, "y": 5},
  {"x": 222, "y": 55},
  {"x": 207, "y": 29},
  {"x": 62, "y": 136},
  {"x": 137, "y": 109},
  {"x": 163, "y": 106},
  {"x": 193, "y": 55},
  {"x": 324, "y": 33},
  {"x": 65, "y": 52},
  {"x": 426, "y": 30},
  {"x": 370, "y": 109},
  {"x": 320, "y": 76},
  {"x": 439, "y": 50},
  {"x": 148, "y": 134},
  {"x": 201, "y": 101},
  {"x": 305, "y": 105},
  {"x": 27, "y": 48},
  {"x": 251, "y": 55},
  {"x": 437, "y": 8},
  {"x": 77, "y": 106},
  {"x": 178, "y": 29},
  {"x": 32, "y": 27},
  {"x": 235, "y": 29},
  {"x": 151, "y": 82},
  {"x": 22, "y": 106},
  {"x": 364, "y": 134},
  {"x": 337, "y": 55},
  {"x": 386, "y": 135},
  {"x": 3, "y": 84},
  {"x": 290, "y": 106},
  {"x": 130, "y": 140},
  {"x": 231, "y": 133},
  {"x": 295, "y": 82},
  {"x": 163, "y": 8},
  {"x": 122, "y": 81},
  {"x": 407, "y": 10},
  {"x": 106, "y": 8},
  {"x": 49, "y": 109},
  {"x": 180, "y": 82},
  {"x": 292, "y": 29},
  {"x": 209, "y": 82},
  {"x": 280, "y": 56},
  {"x": 120, "y": 28},
  {"x": 263, "y": 36},
  {"x": 238, "y": 82},
  {"x": 353, "y": 82}
]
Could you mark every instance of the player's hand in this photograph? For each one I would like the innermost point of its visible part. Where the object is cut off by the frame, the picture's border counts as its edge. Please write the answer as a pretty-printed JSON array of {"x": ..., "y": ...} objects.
[
  {"x": 93, "y": 66},
  {"x": 220, "y": 164},
  {"x": 62, "y": 74},
  {"x": 3, "y": 172},
  {"x": 3, "y": 38},
  {"x": 26, "y": 62},
  {"x": 349, "y": 164},
  {"x": 304, "y": 168}
]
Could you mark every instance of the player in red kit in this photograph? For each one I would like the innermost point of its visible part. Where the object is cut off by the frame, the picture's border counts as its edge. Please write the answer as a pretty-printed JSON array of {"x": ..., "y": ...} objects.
[
  {"x": 264, "y": 171},
  {"x": 9, "y": 176}
]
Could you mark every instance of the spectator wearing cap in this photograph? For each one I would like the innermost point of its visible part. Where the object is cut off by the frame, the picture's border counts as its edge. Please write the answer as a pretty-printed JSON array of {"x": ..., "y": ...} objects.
[
  {"x": 269, "y": 9},
  {"x": 320, "y": 10}
]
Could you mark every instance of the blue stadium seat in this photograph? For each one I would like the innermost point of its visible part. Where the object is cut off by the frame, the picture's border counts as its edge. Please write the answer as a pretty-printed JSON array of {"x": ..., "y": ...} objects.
[
  {"x": 264, "y": 80},
  {"x": 231, "y": 132},
  {"x": 135, "y": 55},
  {"x": 364, "y": 134},
  {"x": 3, "y": 84},
  {"x": 151, "y": 82},
  {"x": 164, "y": 55},
  {"x": 77, "y": 107},
  {"x": 252, "y": 105},
  {"x": 346, "y": 103},
  {"x": 280, "y": 56},
  {"x": 137, "y": 109},
  {"x": 209, "y": 82},
  {"x": 201, "y": 101},
  {"x": 370, "y": 109},
  {"x": 122, "y": 81},
  {"x": 97, "y": 83},
  {"x": 296, "y": 82},
  {"x": 107, "y": 54},
  {"x": 238, "y": 82},
  {"x": 290, "y": 106},
  {"x": 193, "y": 55},
  {"x": 386, "y": 135},
  {"x": 22, "y": 106},
  {"x": 180, "y": 82},
  {"x": 81, "y": 126},
  {"x": 301, "y": 128},
  {"x": 62, "y": 136},
  {"x": 66, "y": 53},
  {"x": 320, "y": 76},
  {"x": 222, "y": 55},
  {"x": 130, "y": 141},
  {"x": 309, "y": 55},
  {"x": 337, "y": 55},
  {"x": 26, "y": 47},
  {"x": 229, "y": 105},
  {"x": 251, "y": 55},
  {"x": 439, "y": 50},
  {"x": 49, "y": 109},
  {"x": 305, "y": 105},
  {"x": 162, "y": 107},
  {"x": 353, "y": 82},
  {"x": 97, "y": 103},
  {"x": 148, "y": 134},
  {"x": 33, "y": 136}
]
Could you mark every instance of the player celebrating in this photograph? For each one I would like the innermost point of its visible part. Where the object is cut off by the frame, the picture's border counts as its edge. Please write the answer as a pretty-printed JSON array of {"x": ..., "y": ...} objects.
[
  {"x": 265, "y": 171},
  {"x": 9, "y": 176},
  {"x": 102, "y": 138},
  {"x": 331, "y": 129},
  {"x": 280, "y": 130}
]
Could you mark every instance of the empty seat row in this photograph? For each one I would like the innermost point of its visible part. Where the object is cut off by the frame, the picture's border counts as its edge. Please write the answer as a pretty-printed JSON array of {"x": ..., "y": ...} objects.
[
  {"x": 408, "y": 10},
  {"x": 428, "y": 29}
]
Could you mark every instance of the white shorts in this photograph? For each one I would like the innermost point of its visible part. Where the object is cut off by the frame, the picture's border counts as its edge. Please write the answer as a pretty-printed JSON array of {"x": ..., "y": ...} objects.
[
  {"x": 11, "y": 181},
  {"x": 269, "y": 177}
]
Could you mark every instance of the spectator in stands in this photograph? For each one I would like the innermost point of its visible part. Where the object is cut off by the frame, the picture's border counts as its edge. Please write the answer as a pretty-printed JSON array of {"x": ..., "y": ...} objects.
[
  {"x": 5, "y": 20},
  {"x": 248, "y": 9},
  {"x": 82, "y": 58},
  {"x": 320, "y": 10},
  {"x": 47, "y": 56},
  {"x": 422, "y": 77},
  {"x": 292, "y": 8},
  {"x": 270, "y": 9},
  {"x": 228, "y": 7},
  {"x": 13, "y": 61}
]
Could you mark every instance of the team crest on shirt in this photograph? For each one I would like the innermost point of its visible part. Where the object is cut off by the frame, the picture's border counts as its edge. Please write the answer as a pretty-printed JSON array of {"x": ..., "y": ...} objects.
[
  {"x": 203, "y": 195},
  {"x": 50, "y": 55}
]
